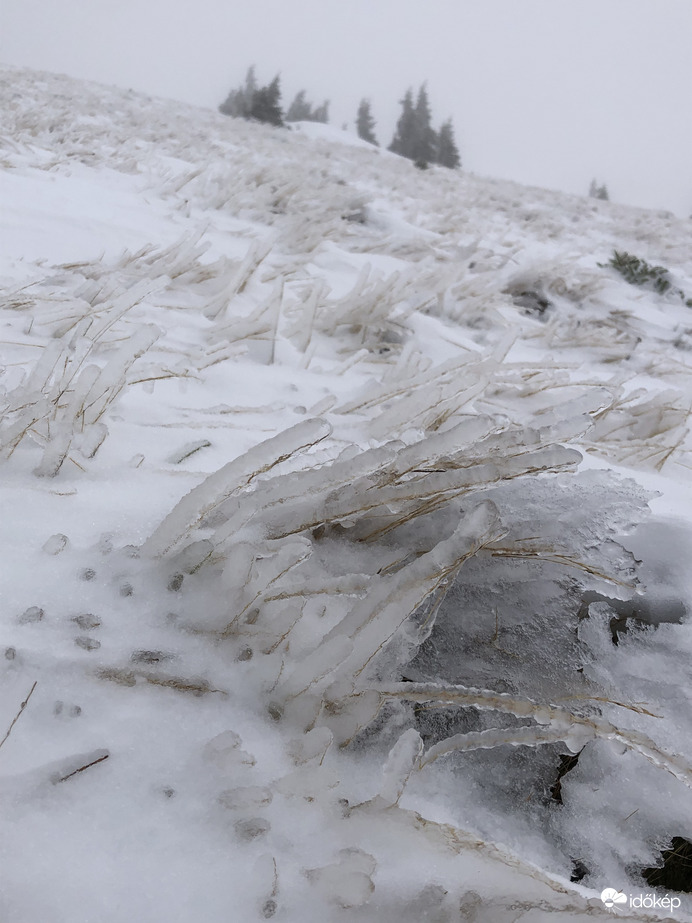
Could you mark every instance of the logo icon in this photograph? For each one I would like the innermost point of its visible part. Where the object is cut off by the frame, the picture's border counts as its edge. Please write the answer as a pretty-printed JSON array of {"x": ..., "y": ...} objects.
[{"x": 610, "y": 897}]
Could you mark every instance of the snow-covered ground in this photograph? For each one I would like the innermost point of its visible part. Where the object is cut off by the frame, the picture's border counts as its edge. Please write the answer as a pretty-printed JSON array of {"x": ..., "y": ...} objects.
[{"x": 325, "y": 490}]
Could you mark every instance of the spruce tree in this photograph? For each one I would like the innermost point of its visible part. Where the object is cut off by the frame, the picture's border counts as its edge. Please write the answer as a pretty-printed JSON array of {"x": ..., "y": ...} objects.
[
  {"x": 300, "y": 109},
  {"x": 321, "y": 113},
  {"x": 598, "y": 191},
  {"x": 403, "y": 142},
  {"x": 415, "y": 137},
  {"x": 266, "y": 104},
  {"x": 447, "y": 151},
  {"x": 365, "y": 123},
  {"x": 424, "y": 140},
  {"x": 239, "y": 102},
  {"x": 230, "y": 104}
]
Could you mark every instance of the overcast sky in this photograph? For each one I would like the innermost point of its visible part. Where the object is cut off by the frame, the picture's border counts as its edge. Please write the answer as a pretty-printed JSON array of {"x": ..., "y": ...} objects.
[{"x": 548, "y": 92}]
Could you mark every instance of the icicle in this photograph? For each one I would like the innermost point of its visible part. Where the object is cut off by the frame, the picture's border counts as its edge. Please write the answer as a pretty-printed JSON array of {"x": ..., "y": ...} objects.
[
  {"x": 219, "y": 486},
  {"x": 403, "y": 759}
]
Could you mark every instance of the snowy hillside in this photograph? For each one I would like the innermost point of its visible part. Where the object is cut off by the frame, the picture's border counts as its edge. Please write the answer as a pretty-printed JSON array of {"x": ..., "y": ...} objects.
[{"x": 343, "y": 505}]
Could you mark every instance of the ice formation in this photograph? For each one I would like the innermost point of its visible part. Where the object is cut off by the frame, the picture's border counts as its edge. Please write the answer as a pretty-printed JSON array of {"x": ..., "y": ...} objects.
[{"x": 323, "y": 537}]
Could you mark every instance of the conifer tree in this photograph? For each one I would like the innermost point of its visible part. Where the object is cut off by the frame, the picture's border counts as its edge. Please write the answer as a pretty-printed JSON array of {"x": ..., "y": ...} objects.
[
  {"x": 238, "y": 103},
  {"x": 365, "y": 123},
  {"x": 266, "y": 104},
  {"x": 300, "y": 108},
  {"x": 447, "y": 151},
  {"x": 250, "y": 102},
  {"x": 403, "y": 142},
  {"x": 415, "y": 137},
  {"x": 321, "y": 113},
  {"x": 598, "y": 191},
  {"x": 424, "y": 139}
]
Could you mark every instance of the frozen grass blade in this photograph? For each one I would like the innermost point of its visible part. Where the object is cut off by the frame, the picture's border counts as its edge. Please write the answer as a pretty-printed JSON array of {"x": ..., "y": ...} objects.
[{"x": 229, "y": 480}]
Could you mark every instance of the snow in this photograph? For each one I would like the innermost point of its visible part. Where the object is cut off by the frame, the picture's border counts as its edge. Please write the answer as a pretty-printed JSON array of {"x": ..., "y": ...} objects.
[
  {"x": 320, "y": 131},
  {"x": 311, "y": 462}
]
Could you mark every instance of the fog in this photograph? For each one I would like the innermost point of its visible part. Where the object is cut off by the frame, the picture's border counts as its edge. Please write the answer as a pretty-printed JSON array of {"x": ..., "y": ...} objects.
[{"x": 548, "y": 92}]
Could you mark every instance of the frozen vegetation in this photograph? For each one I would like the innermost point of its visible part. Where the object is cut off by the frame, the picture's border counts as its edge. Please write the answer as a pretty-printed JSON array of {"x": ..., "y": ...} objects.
[{"x": 345, "y": 529}]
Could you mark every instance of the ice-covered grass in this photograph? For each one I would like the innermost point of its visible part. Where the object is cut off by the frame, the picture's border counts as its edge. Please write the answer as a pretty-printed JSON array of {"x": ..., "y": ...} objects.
[{"x": 325, "y": 495}]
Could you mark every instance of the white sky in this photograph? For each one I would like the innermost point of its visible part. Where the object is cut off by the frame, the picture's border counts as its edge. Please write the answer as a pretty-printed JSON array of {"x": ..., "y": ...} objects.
[{"x": 548, "y": 92}]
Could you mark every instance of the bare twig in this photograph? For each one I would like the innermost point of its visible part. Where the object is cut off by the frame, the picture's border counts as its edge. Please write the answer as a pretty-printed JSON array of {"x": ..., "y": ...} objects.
[
  {"x": 98, "y": 757},
  {"x": 19, "y": 713}
]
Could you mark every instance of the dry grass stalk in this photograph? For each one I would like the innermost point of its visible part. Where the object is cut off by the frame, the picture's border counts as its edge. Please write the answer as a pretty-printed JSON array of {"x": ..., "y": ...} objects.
[{"x": 19, "y": 713}]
